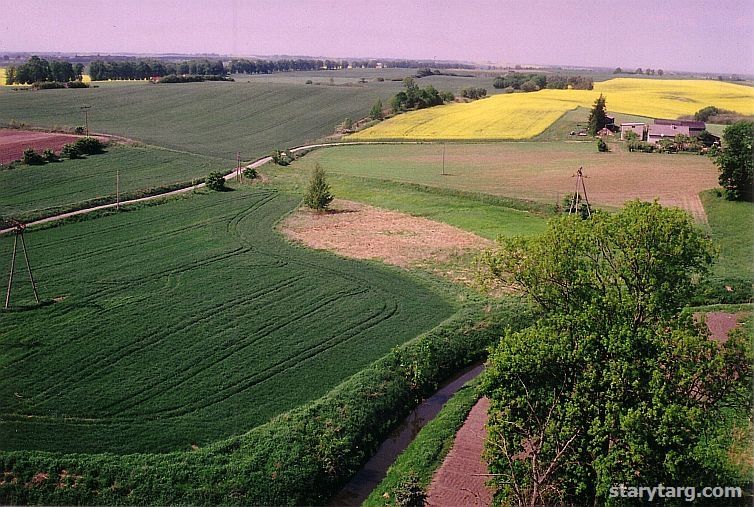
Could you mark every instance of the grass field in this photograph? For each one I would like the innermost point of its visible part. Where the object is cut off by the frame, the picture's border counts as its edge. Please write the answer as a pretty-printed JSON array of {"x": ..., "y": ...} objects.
[
  {"x": 213, "y": 118},
  {"x": 529, "y": 170},
  {"x": 731, "y": 224},
  {"x": 187, "y": 322},
  {"x": 46, "y": 190},
  {"x": 526, "y": 115}
]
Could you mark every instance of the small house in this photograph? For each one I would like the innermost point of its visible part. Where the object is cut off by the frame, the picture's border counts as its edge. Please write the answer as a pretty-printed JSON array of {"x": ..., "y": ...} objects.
[
  {"x": 695, "y": 127},
  {"x": 639, "y": 129},
  {"x": 656, "y": 132}
]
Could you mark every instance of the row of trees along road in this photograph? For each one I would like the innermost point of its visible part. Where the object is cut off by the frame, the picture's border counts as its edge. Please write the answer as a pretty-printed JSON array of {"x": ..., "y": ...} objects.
[
  {"x": 612, "y": 385},
  {"x": 38, "y": 69}
]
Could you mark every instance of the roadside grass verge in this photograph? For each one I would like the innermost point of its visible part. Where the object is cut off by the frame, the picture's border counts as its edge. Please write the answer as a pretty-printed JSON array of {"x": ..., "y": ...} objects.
[{"x": 430, "y": 447}]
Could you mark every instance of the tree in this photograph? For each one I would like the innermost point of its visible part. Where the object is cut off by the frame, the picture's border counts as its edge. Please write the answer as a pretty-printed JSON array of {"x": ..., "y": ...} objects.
[
  {"x": 612, "y": 385},
  {"x": 215, "y": 181},
  {"x": 318, "y": 196},
  {"x": 597, "y": 116},
  {"x": 735, "y": 161},
  {"x": 602, "y": 146},
  {"x": 31, "y": 157},
  {"x": 660, "y": 72},
  {"x": 618, "y": 70},
  {"x": 376, "y": 112}
]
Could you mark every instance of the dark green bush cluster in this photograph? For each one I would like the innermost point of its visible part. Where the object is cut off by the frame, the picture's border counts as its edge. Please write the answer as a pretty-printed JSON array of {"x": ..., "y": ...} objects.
[
  {"x": 215, "y": 181},
  {"x": 250, "y": 173},
  {"x": 283, "y": 157},
  {"x": 416, "y": 98},
  {"x": 47, "y": 85},
  {"x": 530, "y": 82},
  {"x": 302, "y": 457},
  {"x": 474, "y": 93},
  {"x": 602, "y": 146},
  {"x": 77, "y": 84},
  {"x": 82, "y": 146},
  {"x": 31, "y": 157},
  {"x": 172, "y": 78}
]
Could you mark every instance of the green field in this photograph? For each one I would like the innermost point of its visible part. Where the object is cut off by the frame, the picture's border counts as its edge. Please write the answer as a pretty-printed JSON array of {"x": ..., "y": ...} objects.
[
  {"x": 213, "y": 118},
  {"x": 187, "y": 322},
  {"x": 34, "y": 191},
  {"x": 731, "y": 224}
]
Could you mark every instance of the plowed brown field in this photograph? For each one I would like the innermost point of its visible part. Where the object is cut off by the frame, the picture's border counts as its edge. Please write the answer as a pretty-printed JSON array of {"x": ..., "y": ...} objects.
[{"x": 13, "y": 142}]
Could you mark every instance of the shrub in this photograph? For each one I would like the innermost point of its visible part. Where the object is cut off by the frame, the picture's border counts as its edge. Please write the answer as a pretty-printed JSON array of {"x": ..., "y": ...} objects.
[
  {"x": 529, "y": 86},
  {"x": 31, "y": 157},
  {"x": 318, "y": 194},
  {"x": 80, "y": 130},
  {"x": 380, "y": 79},
  {"x": 47, "y": 85},
  {"x": 70, "y": 151},
  {"x": 409, "y": 492},
  {"x": 281, "y": 157},
  {"x": 602, "y": 146},
  {"x": 250, "y": 173},
  {"x": 77, "y": 84},
  {"x": 50, "y": 156},
  {"x": 308, "y": 81},
  {"x": 89, "y": 146},
  {"x": 215, "y": 181}
]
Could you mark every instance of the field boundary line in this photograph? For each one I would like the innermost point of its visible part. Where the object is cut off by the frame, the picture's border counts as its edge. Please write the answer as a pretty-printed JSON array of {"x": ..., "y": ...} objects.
[{"x": 228, "y": 176}]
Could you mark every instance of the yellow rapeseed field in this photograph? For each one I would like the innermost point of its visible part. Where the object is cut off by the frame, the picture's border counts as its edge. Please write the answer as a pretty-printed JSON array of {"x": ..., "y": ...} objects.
[{"x": 524, "y": 115}]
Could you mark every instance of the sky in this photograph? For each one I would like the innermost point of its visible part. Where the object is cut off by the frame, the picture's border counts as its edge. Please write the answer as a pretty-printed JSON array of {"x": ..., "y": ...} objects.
[{"x": 690, "y": 35}]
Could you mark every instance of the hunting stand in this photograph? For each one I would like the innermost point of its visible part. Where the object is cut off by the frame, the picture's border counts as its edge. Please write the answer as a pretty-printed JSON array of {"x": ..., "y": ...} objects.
[
  {"x": 576, "y": 201},
  {"x": 18, "y": 229}
]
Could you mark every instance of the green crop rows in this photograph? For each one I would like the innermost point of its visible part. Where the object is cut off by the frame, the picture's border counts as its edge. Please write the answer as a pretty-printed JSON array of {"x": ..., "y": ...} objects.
[
  {"x": 187, "y": 322},
  {"x": 217, "y": 119}
]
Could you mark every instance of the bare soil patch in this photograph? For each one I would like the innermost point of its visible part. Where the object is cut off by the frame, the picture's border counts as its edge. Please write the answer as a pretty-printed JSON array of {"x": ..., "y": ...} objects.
[
  {"x": 13, "y": 142},
  {"x": 365, "y": 232},
  {"x": 721, "y": 323}
]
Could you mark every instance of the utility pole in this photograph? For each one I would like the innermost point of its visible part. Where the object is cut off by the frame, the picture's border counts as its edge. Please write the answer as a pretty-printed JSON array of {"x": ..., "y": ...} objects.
[
  {"x": 443, "y": 159},
  {"x": 86, "y": 118},
  {"x": 117, "y": 189},
  {"x": 238, "y": 166}
]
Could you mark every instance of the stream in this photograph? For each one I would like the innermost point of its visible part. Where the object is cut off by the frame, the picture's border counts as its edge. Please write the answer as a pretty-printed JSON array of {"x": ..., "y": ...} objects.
[{"x": 372, "y": 473}]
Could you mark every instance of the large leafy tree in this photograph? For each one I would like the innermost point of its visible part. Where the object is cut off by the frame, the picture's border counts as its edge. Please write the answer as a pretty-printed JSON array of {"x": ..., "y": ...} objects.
[
  {"x": 611, "y": 385},
  {"x": 597, "y": 116},
  {"x": 735, "y": 161}
]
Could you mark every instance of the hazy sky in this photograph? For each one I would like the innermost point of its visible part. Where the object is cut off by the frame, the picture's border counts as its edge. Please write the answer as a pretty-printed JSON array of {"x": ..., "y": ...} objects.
[{"x": 712, "y": 36}]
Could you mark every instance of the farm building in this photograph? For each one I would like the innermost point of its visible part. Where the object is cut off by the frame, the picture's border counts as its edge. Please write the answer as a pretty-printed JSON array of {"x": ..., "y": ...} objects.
[
  {"x": 695, "y": 127},
  {"x": 640, "y": 129},
  {"x": 656, "y": 132}
]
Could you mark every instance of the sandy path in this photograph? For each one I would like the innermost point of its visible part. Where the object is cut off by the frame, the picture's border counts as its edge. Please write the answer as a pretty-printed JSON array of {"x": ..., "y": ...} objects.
[{"x": 460, "y": 480}]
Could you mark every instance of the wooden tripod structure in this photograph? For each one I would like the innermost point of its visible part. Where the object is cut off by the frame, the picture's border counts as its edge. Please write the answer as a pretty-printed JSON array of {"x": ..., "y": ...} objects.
[
  {"x": 19, "y": 230},
  {"x": 576, "y": 201}
]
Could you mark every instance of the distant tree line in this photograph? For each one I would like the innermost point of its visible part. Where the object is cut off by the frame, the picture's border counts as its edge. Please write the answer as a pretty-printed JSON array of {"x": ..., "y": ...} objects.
[
  {"x": 531, "y": 82},
  {"x": 261, "y": 66},
  {"x": 648, "y": 72},
  {"x": 101, "y": 70},
  {"x": 37, "y": 70}
]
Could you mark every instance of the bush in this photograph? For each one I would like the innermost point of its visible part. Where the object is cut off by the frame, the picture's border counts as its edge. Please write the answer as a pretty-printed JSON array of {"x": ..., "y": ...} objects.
[
  {"x": 409, "y": 492},
  {"x": 80, "y": 130},
  {"x": 602, "y": 146},
  {"x": 47, "y": 85},
  {"x": 70, "y": 151},
  {"x": 282, "y": 157},
  {"x": 215, "y": 181},
  {"x": 50, "y": 156},
  {"x": 250, "y": 173},
  {"x": 31, "y": 157},
  {"x": 308, "y": 81},
  {"x": 318, "y": 194},
  {"x": 78, "y": 84},
  {"x": 89, "y": 146}
]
